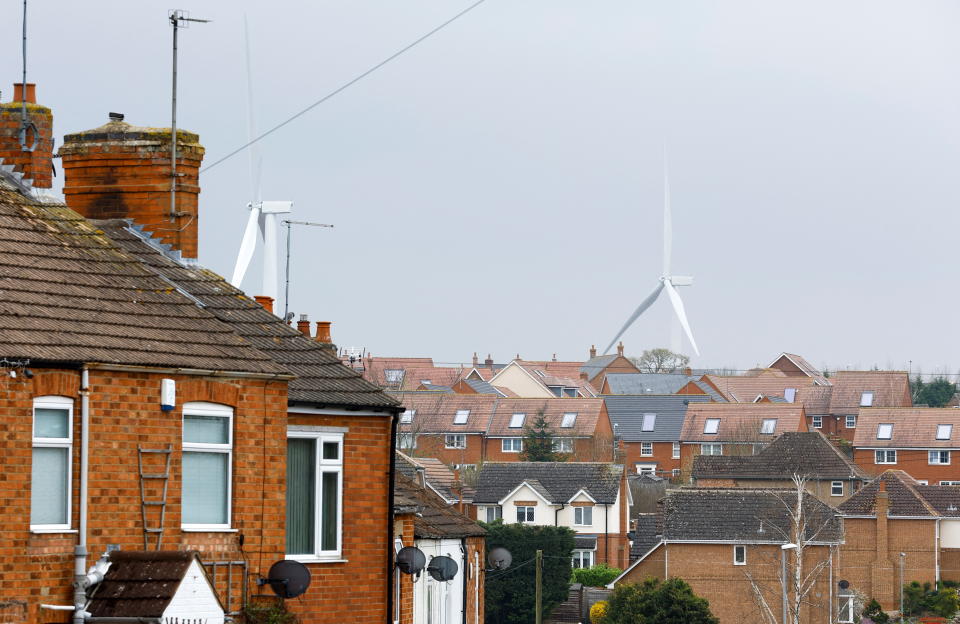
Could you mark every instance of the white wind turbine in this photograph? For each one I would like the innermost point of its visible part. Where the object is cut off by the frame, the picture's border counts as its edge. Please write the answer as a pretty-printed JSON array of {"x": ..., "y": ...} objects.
[
  {"x": 668, "y": 282},
  {"x": 264, "y": 215}
]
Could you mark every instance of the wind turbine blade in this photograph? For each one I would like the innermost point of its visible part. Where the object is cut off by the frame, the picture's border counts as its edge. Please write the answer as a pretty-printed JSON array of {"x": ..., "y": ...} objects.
[
  {"x": 646, "y": 303},
  {"x": 681, "y": 315},
  {"x": 667, "y": 217},
  {"x": 251, "y": 125},
  {"x": 247, "y": 246}
]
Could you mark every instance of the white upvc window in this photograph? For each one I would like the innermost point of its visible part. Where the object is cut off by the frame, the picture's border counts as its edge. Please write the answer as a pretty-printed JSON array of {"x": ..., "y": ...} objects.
[
  {"x": 525, "y": 514},
  {"x": 845, "y": 609},
  {"x": 511, "y": 445},
  {"x": 314, "y": 526},
  {"x": 944, "y": 432},
  {"x": 711, "y": 449},
  {"x": 940, "y": 458},
  {"x": 407, "y": 416},
  {"x": 582, "y": 559},
  {"x": 866, "y": 399},
  {"x": 768, "y": 426},
  {"x": 569, "y": 419},
  {"x": 836, "y": 488},
  {"x": 850, "y": 421},
  {"x": 583, "y": 516},
  {"x": 455, "y": 441},
  {"x": 51, "y": 469},
  {"x": 646, "y": 449},
  {"x": 646, "y": 469},
  {"x": 493, "y": 513},
  {"x": 460, "y": 418},
  {"x": 711, "y": 425},
  {"x": 675, "y": 473},
  {"x": 817, "y": 422},
  {"x": 406, "y": 440},
  {"x": 516, "y": 421},
  {"x": 676, "y": 451},
  {"x": 884, "y": 431},
  {"x": 790, "y": 395},
  {"x": 885, "y": 457},
  {"x": 948, "y": 483},
  {"x": 739, "y": 554},
  {"x": 207, "y": 466},
  {"x": 563, "y": 445},
  {"x": 649, "y": 422}
]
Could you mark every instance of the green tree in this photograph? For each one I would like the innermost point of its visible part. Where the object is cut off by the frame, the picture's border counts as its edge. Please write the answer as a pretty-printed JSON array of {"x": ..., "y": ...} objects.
[
  {"x": 538, "y": 442},
  {"x": 923, "y": 599},
  {"x": 511, "y": 593},
  {"x": 936, "y": 393},
  {"x": 661, "y": 361},
  {"x": 599, "y": 575},
  {"x": 658, "y": 602}
]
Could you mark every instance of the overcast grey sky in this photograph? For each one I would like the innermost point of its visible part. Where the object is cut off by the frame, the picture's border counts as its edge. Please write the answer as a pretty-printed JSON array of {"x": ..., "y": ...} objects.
[{"x": 498, "y": 188}]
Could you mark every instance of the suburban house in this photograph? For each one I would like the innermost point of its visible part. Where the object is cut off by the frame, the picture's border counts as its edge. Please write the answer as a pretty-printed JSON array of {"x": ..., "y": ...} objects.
[
  {"x": 591, "y": 498},
  {"x": 829, "y": 474},
  {"x": 920, "y": 441},
  {"x": 449, "y": 427},
  {"x": 405, "y": 374},
  {"x": 599, "y": 367},
  {"x": 728, "y": 544},
  {"x": 424, "y": 520},
  {"x": 793, "y": 365},
  {"x": 530, "y": 379},
  {"x": 735, "y": 429},
  {"x": 685, "y": 383},
  {"x": 437, "y": 477},
  {"x": 150, "y": 405},
  {"x": 750, "y": 388},
  {"x": 853, "y": 390},
  {"x": 648, "y": 430},
  {"x": 895, "y": 522}
]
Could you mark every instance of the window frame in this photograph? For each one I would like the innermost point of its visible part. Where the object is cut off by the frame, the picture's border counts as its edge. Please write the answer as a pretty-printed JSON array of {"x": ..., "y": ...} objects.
[
  {"x": 650, "y": 418},
  {"x": 768, "y": 426},
  {"x": 866, "y": 398},
  {"x": 817, "y": 421},
  {"x": 406, "y": 440},
  {"x": 711, "y": 426},
  {"x": 580, "y": 511},
  {"x": 833, "y": 488},
  {"x": 939, "y": 454},
  {"x": 646, "y": 449},
  {"x": 461, "y": 416},
  {"x": 949, "y": 430},
  {"x": 742, "y": 550},
  {"x": 562, "y": 445},
  {"x": 569, "y": 420},
  {"x": 519, "y": 423},
  {"x": 886, "y": 456},
  {"x": 675, "y": 451},
  {"x": 407, "y": 416},
  {"x": 530, "y": 515},
  {"x": 512, "y": 441},
  {"x": 580, "y": 555},
  {"x": 322, "y": 466},
  {"x": 949, "y": 483},
  {"x": 713, "y": 446},
  {"x": 459, "y": 439},
  {"x": 497, "y": 513},
  {"x": 646, "y": 468},
  {"x": 845, "y": 603},
  {"x": 203, "y": 408},
  {"x": 54, "y": 402},
  {"x": 888, "y": 430},
  {"x": 848, "y": 419}
]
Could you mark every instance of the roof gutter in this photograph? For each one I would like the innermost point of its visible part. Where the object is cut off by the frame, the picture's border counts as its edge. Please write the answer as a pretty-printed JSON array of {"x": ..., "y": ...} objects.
[{"x": 187, "y": 371}]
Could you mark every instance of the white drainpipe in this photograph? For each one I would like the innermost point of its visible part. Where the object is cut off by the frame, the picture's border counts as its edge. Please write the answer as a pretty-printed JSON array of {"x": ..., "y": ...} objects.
[{"x": 80, "y": 552}]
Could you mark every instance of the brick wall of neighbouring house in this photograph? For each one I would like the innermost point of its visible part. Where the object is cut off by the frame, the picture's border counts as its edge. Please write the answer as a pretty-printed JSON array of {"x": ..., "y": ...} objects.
[
  {"x": 434, "y": 445},
  {"x": 355, "y": 590},
  {"x": 913, "y": 462},
  {"x": 403, "y": 529},
  {"x": 662, "y": 456},
  {"x": 476, "y": 551},
  {"x": 820, "y": 489},
  {"x": 124, "y": 413},
  {"x": 950, "y": 564}
]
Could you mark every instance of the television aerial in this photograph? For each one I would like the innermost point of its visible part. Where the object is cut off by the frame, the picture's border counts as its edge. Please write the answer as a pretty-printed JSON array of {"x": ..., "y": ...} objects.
[{"x": 287, "y": 578}]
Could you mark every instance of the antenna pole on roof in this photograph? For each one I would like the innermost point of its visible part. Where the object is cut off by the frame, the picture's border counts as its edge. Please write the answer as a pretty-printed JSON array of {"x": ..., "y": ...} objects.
[
  {"x": 177, "y": 19},
  {"x": 286, "y": 288},
  {"x": 25, "y": 124}
]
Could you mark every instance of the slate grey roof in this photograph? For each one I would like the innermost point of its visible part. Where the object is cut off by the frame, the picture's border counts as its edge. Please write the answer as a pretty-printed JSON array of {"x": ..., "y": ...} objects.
[
  {"x": 648, "y": 383},
  {"x": 557, "y": 482},
  {"x": 710, "y": 391},
  {"x": 482, "y": 387},
  {"x": 433, "y": 518},
  {"x": 809, "y": 454},
  {"x": 626, "y": 412},
  {"x": 594, "y": 366},
  {"x": 905, "y": 496},
  {"x": 646, "y": 535},
  {"x": 321, "y": 378},
  {"x": 744, "y": 515}
]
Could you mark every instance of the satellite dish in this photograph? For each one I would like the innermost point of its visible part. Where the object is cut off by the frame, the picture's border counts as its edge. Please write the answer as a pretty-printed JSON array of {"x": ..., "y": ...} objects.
[
  {"x": 844, "y": 584},
  {"x": 499, "y": 558},
  {"x": 411, "y": 560},
  {"x": 442, "y": 568},
  {"x": 288, "y": 578}
]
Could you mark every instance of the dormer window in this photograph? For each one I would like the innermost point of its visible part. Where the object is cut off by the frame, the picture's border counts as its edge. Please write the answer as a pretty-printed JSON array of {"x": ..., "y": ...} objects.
[
  {"x": 649, "y": 421},
  {"x": 516, "y": 421},
  {"x": 570, "y": 392},
  {"x": 866, "y": 399},
  {"x": 768, "y": 426},
  {"x": 460, "y": 418},
  {"x": 712, "y": 425},
  {"x": 884, "y": 431},
  {"x": 944, "y": 432},
  {"x": 569, "y": 420},
  {"x": 790, "y": 394},
  {"x": 407, "y": 417},
  {"x": 556, "y": 390}
]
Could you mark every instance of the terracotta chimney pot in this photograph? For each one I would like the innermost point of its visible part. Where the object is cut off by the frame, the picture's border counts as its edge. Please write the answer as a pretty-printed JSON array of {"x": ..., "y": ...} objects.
[
  {"x": 620, "y": 349},
  {"x": 323, "y": 332},
  {"x": 593, "y": 351},
  {"x": 31, "y": 92},
  {"x": 265, "y": 301},
  {"x": 303, "y": 325}
]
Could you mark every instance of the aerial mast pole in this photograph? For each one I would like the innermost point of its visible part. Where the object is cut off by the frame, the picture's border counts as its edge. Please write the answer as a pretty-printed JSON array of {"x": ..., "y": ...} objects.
[{"x": 286, "y": 291}]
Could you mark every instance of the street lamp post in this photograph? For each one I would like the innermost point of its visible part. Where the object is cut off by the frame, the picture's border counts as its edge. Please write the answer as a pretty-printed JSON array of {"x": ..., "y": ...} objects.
[{"x": 783, "y": 575}]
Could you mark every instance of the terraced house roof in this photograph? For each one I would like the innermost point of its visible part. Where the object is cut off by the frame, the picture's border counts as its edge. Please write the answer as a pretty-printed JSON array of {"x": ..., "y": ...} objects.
[
  {"x": 557, "y": 482},
  {"x": 731, "y": 422},
  {"x": 908, "y": 427}
]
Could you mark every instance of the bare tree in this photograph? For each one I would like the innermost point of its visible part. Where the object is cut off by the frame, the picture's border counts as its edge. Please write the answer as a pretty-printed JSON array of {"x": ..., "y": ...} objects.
[{"x": 660, "y": 361}]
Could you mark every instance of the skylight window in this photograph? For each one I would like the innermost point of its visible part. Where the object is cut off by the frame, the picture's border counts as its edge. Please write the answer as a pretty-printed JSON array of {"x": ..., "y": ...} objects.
[
  {"x": 407, "y": 416},
  {"x": 866, "y": 399},
  {"x": 460, "y": 418},
  {"x": 712, "y": 425},
  {"x": 790, "y": 394},
  {"x": 539, "y": 372},
  {"x": 769, "y": 425},
  {"x": 516, "y": 421},
  {"x": 944, "y": 432},
  {"x": 426, "y": 382},
  {"x": 649, "y": 421},
  {"x": 569, "y": 419},
  {"x": 884, "y": 431}
]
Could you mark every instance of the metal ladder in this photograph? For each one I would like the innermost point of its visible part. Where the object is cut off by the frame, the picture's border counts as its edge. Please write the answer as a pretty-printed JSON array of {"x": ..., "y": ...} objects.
[{"x": 145, "y": 504}]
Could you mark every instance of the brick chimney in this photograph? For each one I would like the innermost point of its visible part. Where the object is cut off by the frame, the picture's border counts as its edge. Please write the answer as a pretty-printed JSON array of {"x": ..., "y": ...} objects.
[
  {"x": 323, "y": 335},
  {"x": 36, "y": 165},
  {"x": 620, "y": 349},
  {"x": 593, "y": 351},
  {"x": 882, "y": 570},
  {"x": 265, "y": 301},
  {"x": 488, "y": 362},
  {"x": 120, "y": 171},
  {"x": 476, "y": 360},
  {"x": 303, "y": 325}
]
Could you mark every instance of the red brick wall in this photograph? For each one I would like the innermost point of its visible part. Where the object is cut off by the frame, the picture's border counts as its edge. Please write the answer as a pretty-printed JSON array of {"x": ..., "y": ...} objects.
[
  {"x": 434, "y": 445},
  {"x": 914, "y": 462},
  {"x": 36, "y": 165},
  {"x": 662, "y": 456}
]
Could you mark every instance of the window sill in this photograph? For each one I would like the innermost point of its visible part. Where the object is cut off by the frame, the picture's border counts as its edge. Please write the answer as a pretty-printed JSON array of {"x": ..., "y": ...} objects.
[
  {"x": 312, "y": 559},
  {"x": 40, "y": 531},
  {"x": 203, "y": 530}
]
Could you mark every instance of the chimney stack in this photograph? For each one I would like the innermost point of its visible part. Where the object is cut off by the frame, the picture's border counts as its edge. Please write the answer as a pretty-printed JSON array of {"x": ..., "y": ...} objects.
[
  {"x": 488, "y": 362},
  {"x": 266, "y": 302},
  {"x": 476, "y": 360},
  {"x": 593, "y": 351},
  {"x": 120, "y": 171},
  {"x": 36, "y": 165},
  {"x": 323, "y": 335},
  {"x": 303, "y": 325},
  {"x": 620, "y": 349}
]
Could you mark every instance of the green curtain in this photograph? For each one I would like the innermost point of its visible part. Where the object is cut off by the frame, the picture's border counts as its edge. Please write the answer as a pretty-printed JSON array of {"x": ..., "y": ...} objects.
[{"x": 301, "y": 495}]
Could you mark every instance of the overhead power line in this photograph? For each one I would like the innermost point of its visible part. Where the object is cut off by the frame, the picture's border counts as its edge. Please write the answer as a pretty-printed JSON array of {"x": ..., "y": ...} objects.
[{"x": 345, "y": 86}]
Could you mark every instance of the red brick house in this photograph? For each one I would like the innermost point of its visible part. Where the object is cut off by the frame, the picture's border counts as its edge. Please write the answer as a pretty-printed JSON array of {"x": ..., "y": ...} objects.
[
  {"x": 853, "y": 390},
  {"x": 149, "y": 404},
  {"x": 923, "y": 442}
]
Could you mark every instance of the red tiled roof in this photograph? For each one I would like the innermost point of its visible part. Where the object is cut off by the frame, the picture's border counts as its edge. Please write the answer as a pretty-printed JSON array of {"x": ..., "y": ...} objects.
[
  {"x": 741, "y": 422},
  {"x": 745, "y": 389},
  {"x": 589, "y": 412},
  {"x": 913, "y": 427},
  {"x": 890, "y": 389},
  {"x": 435, "y": 412}
]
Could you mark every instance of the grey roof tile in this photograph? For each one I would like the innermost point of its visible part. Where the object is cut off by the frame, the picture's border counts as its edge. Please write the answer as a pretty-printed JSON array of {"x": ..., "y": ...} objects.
[
  {"x": 560, "y": 481},
  {"x": 626, "y": 412}
]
